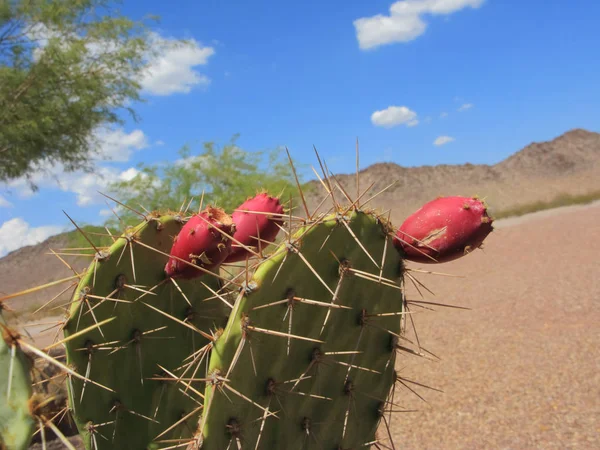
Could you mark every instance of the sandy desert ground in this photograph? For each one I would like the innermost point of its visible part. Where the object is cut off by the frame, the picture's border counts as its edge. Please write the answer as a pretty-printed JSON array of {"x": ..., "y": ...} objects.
[{"x": 521, "y": 368}]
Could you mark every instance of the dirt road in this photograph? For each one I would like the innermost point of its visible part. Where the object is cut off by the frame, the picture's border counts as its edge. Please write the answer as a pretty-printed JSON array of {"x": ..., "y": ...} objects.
[{"x": 521, "y": 370}]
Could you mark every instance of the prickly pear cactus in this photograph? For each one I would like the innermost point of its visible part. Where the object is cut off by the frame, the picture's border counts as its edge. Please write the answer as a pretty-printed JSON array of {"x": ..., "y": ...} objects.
[
  {"x": 157, "y": 322},
  {"x": 162, "y": 351},
  {"x": 307, "y": 357},
  {"x": 16, "y": 421}
]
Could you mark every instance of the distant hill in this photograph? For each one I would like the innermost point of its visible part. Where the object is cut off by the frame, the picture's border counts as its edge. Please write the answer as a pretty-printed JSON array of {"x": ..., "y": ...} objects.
[
  {"x": 573, "y": 152},
  {"x": 568, "y": 164}
]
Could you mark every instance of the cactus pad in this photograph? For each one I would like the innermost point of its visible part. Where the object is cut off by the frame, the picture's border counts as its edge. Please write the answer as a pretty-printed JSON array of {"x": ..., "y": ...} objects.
[
  {"x": 16, "y": 421},
  {"x": 156, "y": 322},
  {"x": 307, "y": 357}
]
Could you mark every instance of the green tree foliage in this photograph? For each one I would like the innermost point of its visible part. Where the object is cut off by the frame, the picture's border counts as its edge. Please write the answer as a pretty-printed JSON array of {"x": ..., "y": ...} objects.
[
  {"x": 226, "y": 175},
  {"x": 66, "y": 68}
]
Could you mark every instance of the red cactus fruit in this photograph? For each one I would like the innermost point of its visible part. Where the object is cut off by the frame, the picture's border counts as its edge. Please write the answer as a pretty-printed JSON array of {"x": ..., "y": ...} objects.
[
  {"x": 252, "y": 221},
  {"x": 200, "y": 242},
  {"x": 444, "y": 229}
]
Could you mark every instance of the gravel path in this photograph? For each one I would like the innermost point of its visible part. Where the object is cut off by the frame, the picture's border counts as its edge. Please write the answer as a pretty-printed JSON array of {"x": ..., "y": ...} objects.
[{"x": 521, "y": 369}]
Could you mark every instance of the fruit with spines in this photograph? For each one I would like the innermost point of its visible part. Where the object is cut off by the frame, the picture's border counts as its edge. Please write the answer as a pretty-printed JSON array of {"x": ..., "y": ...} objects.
[
  {"x": 16, "y": 421},
  {"x": 257, "y": 222},
  {"x": 158, "y": 323},
  {"x": 444, "y": 229},
  {"x": 204, "y": 241}
]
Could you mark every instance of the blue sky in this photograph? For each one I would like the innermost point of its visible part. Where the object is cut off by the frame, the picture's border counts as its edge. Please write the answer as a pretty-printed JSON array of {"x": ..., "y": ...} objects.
[{"x": 480, "y": 78}]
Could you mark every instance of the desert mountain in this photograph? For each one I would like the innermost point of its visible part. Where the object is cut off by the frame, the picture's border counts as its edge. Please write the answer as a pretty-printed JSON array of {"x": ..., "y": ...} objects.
[
  {"x": 573, "y": 152},
  {"x": 568, "y": 164}
]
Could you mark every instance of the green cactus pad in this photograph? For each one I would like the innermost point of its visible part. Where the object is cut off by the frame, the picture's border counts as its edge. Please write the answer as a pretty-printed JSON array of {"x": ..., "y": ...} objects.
[
  {"x": 124, "y": 354},
  {"x": 16, "y": 422},
  {"x": 253, "y": 400}
]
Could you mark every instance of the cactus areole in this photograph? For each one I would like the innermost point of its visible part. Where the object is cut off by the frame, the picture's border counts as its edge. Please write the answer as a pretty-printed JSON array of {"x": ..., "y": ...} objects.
[
  {"x": 444, "y": 229},
  {"x": 254, "y": 227},
  {"x": 203, "y": 241}
]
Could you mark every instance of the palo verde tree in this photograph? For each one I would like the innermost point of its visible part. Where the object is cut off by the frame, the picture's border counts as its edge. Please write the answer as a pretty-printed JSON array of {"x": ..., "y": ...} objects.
[
  {"x": 67, "y": 67},
  {"x": 223, "y": 176}
]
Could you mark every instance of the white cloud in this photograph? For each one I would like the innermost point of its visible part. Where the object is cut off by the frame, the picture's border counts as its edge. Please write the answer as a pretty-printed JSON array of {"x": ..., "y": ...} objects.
[
  {"x": 16, "y": 233},
  {"x": 129, "y": 174},
  {"x": 117, "y": 145},
  {"x": 4, "y": 203},
  {"x": 465, "y": 106},
  {"x": 87, "y": 185},
  {"x": 105, "y": 212},
  {"x": 83, "y": 184},
  {"x": 393, "y": 116},
  {"x": 441, "y": 140},
  {"x": 170, "y": 64},
  {"x": 372, "y": 32},
  {"x": 405, "y": 21},
  {"x": 171, "y": 69},
  {"x": 443, "y": 115}
]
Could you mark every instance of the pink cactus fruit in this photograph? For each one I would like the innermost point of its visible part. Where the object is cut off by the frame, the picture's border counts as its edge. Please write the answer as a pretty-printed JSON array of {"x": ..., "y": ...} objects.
[
  {"x": 444, "y": 229},
  {"x": 254, "y": 226},
  {"x": 201, "y": 243}
]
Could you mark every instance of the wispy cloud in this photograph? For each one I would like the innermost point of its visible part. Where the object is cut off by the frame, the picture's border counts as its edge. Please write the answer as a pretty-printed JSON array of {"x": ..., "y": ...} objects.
[
  {"x": 443, "y": 115},
  {"x": 465, "y": 107},
  {"x": 16, "y": 233},
  {"x": 4, "y": 203},
  {"x": 394, "y": 116},
  {"x": 85, "y": 185},
  {"x": 442, "y": 140},
  {"x": 105, "y": 212},
  {"x": 115, "y": 146},
  {"x": 405, "y": 21}
]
